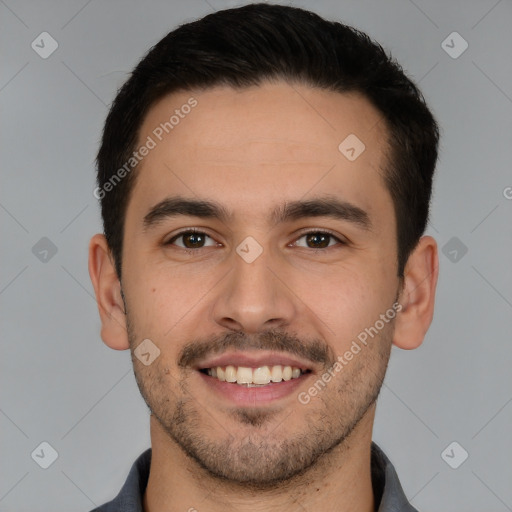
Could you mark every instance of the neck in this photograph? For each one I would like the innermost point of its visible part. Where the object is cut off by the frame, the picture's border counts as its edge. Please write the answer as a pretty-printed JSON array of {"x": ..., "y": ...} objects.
[{"x": 342, "y": 478}]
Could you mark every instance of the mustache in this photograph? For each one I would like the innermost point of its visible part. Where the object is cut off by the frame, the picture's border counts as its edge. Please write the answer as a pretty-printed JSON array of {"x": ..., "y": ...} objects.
[{"x": 315, "y": 350}]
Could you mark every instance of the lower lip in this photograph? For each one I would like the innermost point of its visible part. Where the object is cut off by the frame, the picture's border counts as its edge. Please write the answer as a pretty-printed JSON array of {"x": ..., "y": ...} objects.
[{"x": 244, "y": 396}]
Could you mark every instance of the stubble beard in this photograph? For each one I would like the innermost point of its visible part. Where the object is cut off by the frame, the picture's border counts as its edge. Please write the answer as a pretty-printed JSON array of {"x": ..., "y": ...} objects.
[{"x": 263, "y": 459}]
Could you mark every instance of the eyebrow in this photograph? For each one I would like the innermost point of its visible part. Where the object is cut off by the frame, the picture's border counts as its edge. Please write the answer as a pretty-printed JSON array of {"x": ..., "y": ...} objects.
[{"x": 291, "y": 210}]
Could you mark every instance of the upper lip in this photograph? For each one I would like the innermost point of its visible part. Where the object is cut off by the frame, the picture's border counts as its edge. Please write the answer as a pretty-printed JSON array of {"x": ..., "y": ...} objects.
[{"x": 253, "y": 360}]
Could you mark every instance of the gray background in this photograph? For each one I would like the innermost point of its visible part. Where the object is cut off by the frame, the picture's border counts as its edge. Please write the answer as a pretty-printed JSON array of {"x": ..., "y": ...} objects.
[{"x": 61, "y": 385}]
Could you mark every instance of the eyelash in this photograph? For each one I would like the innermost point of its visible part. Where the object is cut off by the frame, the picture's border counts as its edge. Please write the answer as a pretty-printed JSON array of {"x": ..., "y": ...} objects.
[{"x": 305, "y": 233}]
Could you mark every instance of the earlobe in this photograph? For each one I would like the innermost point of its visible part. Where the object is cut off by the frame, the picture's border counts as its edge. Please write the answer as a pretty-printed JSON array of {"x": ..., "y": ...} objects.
[
  {"x": 108, "y": 294},
  {"x": 418, "y": 295}
]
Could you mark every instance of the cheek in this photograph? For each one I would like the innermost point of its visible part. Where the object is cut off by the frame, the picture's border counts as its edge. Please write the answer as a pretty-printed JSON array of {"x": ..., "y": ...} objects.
[
  {"x": 149, "y": 300},
  {"x": 164, "y": 302},
  {"x": 345, "y": 301}
]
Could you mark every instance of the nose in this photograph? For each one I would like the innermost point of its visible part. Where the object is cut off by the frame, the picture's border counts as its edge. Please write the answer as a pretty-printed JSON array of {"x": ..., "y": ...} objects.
[{"x": 255, "y": 297}]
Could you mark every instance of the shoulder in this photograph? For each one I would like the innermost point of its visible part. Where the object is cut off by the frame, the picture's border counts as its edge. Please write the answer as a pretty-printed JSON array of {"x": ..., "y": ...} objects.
[{"x": 130, "y": 496}]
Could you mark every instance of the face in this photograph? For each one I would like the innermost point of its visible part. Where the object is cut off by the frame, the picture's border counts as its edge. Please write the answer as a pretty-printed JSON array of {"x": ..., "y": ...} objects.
[{"x": 257, "y": 251}]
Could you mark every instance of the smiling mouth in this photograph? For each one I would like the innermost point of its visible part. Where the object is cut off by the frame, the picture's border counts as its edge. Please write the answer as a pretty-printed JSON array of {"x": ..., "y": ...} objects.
[{"x": 254, "y": 377}]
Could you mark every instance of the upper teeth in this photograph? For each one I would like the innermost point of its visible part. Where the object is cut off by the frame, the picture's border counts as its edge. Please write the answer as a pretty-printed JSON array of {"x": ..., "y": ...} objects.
[{"x": 261, "y": 375}]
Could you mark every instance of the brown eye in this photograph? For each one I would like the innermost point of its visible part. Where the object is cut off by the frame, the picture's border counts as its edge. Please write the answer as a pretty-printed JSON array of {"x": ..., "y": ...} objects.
[
  {"x": 191, "y": 240},
  {"x": 317, "y": 240}
]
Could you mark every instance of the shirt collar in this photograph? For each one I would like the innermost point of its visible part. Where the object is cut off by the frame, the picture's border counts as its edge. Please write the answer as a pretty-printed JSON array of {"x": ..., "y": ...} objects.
[{"x": 386, "y": 486}]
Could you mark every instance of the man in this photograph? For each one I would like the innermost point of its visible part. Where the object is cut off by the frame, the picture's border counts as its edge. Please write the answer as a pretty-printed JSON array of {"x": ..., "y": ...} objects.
[{"x": 265, "y": 178}]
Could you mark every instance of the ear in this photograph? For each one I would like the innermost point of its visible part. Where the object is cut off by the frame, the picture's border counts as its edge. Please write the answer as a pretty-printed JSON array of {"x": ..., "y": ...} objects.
[
  {"x": 417, "y": 295},
  {"x": 108, "y": 294}
]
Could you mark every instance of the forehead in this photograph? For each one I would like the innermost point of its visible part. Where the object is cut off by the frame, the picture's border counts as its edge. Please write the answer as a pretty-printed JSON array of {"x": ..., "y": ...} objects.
[
  {"x": 271, "y": 114},
  {"x": 261, "y": 144}
]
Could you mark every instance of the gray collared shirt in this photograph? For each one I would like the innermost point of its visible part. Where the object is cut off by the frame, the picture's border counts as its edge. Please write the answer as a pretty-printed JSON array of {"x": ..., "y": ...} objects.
[{"x": 389, "y": 495}]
